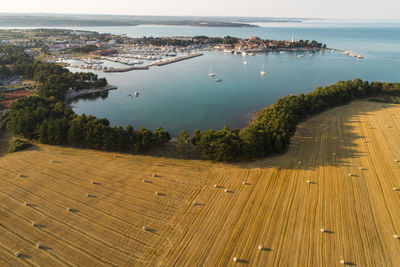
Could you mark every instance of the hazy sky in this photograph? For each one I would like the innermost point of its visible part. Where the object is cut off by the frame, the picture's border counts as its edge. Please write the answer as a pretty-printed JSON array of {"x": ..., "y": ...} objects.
[{"x": 268, "y": 8}]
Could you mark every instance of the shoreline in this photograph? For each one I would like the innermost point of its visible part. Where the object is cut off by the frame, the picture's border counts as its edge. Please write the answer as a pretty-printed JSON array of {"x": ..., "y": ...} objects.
[{"x": 73, "y": 94}]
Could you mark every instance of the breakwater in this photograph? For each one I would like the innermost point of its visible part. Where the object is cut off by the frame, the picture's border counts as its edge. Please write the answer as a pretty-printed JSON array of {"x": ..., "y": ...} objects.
[
  {"x": 175, "y": 59},
  {"x": 127, "y": 69},
  {"x": 73, "y": 93}
]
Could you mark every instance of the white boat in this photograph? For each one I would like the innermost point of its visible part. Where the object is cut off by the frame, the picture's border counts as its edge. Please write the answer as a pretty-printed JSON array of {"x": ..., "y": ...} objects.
[
  {"x": 282, "y": 52},
  {"x": 245, "y": 62},
  {"x": 136, "y": 94},
  {"x": 252, "y": 54},
  {"x": 244, "y": 53},
  {"x": 211, "y": 74},
  {"x": 262, "y": 72},
  {"x": 300, "y": 55},
  {"x": 228, "y": 51},
  {"x": 218, "y": 80}
]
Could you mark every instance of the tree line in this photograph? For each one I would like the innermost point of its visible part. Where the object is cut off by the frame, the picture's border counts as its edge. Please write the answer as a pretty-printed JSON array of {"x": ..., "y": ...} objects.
[
  {"x": 50, "y": 122},
  {"x": 184, "y": 42},
  {"x": 269, "y": 133}
]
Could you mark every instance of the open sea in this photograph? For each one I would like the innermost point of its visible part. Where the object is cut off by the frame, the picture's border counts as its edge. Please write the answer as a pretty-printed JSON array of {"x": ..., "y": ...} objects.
[{"x": 182, "y": 96}]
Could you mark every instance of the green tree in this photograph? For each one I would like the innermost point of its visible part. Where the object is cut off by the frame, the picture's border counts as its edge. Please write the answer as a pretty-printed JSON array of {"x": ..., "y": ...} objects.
[{"x": 183, "y": 142}]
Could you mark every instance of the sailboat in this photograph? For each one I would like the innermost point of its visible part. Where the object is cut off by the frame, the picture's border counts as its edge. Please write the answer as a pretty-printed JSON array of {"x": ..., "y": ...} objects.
[
  {"x": 245, "y": 62},
  {"x": 262, "y": 72}
]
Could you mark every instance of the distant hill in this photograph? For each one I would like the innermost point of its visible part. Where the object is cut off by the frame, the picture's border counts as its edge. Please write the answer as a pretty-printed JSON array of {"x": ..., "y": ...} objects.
[{"x": 66, "y": 20}]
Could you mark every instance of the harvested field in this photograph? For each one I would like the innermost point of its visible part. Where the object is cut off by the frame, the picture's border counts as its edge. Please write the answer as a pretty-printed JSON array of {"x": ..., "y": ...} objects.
[{"x": 274, "y": 212}]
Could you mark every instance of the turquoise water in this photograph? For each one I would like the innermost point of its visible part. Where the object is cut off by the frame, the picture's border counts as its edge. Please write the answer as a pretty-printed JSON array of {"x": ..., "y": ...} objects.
[{"x": 182, "y": 96}]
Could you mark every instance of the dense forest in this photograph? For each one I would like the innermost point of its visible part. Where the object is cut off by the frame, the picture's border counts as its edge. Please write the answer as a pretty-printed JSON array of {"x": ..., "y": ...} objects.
[
  {"x": 184, "y": 42},
  {"x": 10, "y": 55},
  {"x": 51, "y": 122}
]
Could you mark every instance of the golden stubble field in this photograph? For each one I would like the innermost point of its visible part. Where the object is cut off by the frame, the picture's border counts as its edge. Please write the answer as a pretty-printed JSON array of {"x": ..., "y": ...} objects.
[{"x": 339, "y": 175}]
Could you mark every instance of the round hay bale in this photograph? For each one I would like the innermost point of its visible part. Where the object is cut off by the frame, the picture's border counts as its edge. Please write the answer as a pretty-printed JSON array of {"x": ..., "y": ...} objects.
[
  {"x": 34, "y": 224},
  {"x": 38, "y": 245},
  {"x": 322, "y": 230},
  {"x": 17, "y": 254},
  {"x": 68, "y": 209},
  {"x": 235, "y": 259},
  {"x": 260, "y": 247},
  {"x": 396, "y": 236}
]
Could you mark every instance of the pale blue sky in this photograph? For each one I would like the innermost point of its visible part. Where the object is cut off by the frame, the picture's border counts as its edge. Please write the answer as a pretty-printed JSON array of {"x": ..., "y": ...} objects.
[{"x": 269, "y": 8}]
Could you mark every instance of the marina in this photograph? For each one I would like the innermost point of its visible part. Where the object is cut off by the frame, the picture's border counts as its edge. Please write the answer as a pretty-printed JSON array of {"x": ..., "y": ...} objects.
[{"x": 93, "y": 64}]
